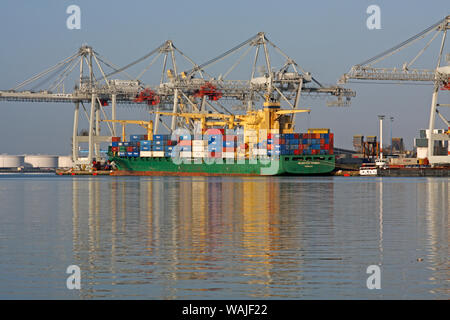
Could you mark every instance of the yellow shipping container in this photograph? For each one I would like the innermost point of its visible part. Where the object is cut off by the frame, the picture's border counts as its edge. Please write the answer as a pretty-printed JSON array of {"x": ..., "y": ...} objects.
[{"x": 318, "y": 130}]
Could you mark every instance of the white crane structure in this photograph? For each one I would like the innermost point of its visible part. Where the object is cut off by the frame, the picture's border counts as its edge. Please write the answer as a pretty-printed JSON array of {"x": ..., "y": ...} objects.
[
  {"x": 182, "y": 88},
  {"x": 439, "y": 76}
]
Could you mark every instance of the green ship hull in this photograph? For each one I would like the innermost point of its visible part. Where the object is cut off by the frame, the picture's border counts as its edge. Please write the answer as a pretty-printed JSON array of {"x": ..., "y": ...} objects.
[{"x": 285, "y": 165}]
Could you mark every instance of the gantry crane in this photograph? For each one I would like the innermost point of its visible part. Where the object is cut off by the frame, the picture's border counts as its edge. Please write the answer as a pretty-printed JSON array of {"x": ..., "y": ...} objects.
[
  {"x": 264, "y": 119},
  {"x": 439, "y": 76},
  {"x": 99, "y": 91},
  {"x": 148, "y": 125}
]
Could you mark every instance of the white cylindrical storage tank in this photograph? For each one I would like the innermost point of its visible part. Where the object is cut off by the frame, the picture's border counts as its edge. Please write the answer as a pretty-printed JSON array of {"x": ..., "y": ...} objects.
[
  {"x": 10, "y": 161},
  {"x": 41, "y": 161},
  {"x": 65, "y": 162}
]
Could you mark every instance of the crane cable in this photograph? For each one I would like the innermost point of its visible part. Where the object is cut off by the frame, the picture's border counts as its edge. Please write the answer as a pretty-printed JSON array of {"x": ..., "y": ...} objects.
[{"x": 424, "y": 32}]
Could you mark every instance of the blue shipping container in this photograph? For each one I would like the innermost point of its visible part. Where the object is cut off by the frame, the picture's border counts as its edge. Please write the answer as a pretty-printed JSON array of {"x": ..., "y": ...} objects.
[
  {"x": 160, "y": 137},
  {"x": 185, "y": 137}
]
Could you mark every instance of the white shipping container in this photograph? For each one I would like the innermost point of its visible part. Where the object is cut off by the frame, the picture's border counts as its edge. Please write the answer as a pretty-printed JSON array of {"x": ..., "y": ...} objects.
[
  {"x": 146, "y": 154},
  {"x": 259, "y": 152},
  {"x": 158, "y": 153},
  {"x": 198, "y": 148},
  {"x": 228, "y": 155},
  {"x": 199, "y": 154},
  {"x": 199, "y": 143},
  {"x": 185, "y": 154}
]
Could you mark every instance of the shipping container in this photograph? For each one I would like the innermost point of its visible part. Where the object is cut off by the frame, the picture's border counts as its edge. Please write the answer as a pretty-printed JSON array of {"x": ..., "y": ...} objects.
[
  {"x": 158, "y": 154},
  {"x": 185, "y": 154},
  {"x": 146, "y": 154}
]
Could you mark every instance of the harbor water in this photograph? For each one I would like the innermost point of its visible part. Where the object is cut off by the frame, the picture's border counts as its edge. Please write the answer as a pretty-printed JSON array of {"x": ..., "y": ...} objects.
[{"x": 223, "y": 237}]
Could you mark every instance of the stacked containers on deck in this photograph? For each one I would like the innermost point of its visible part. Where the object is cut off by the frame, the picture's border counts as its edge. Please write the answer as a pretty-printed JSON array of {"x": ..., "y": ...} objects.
[
  {"x": 146, "y": 148},
  {"x": 115, "y": 145},
  {"x": 215, "y": 143},
  {"x": 300, "y": 144},
  {"x": 185, "y": 146},
  {"x": 317, "y": 143},
  {"x": 229, "y": 146},
  {"x": 199, "y": 147},
  {"x": 168, "y": 144},
  {"x": 159, "y": 144},
  {"x": 132, "y": 146},
  {"x": 274, "y": 144}
]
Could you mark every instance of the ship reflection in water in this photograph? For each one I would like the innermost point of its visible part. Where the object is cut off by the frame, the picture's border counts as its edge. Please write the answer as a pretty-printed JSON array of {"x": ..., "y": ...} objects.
[
  {"x": 224, "y": 238},
  {"x": 274, "y": 237}
]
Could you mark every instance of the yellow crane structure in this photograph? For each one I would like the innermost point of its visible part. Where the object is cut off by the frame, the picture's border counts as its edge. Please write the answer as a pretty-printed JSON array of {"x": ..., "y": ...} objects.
[
  {"x": 268, "y": 118},
  {"x": 145, "y": 124}
]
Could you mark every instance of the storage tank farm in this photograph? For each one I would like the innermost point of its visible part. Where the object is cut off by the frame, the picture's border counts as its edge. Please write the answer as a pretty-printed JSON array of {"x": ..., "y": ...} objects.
[
  {"x": 41, "y": 161},
  {"x": 11, "y": 161}
]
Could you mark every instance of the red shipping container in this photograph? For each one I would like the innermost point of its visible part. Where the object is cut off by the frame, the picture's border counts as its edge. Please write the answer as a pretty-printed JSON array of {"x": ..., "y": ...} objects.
[
  {"x": 269, "y": 146},
  {"x": 331, "y": 151},
  {"x": 322, "y": 141},
  {"x": 214, "y": 154},
  {"x": 326, "y": 146},
  {"x": 229, "y": 138},
  {"x": 282, "y": 141},
  {"x": 115, "y": 139},
  {"x": 214, "y": 131},
  {"x": 115, "y": 149},
  {"x": 129, "y": 149},
  {"x": 296, "y": 136},
  {"x": 296, "y": 151},
  {"x": 185, "y": 143}
]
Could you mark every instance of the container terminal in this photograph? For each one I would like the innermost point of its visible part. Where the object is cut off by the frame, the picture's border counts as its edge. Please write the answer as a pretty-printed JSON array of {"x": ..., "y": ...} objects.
[{"x": 246, "y": 125}]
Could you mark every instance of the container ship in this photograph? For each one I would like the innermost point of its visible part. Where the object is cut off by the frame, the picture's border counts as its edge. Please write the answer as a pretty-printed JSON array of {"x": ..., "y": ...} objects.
[{"x": 258, "y": 143}]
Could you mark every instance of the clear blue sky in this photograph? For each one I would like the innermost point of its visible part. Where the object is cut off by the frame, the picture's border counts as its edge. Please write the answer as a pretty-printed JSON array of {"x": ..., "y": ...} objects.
[{"x": 324, "y": 37}]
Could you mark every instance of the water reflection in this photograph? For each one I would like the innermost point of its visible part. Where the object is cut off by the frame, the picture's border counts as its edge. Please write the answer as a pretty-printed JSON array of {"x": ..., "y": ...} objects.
[{"x": 203, "y": 237}]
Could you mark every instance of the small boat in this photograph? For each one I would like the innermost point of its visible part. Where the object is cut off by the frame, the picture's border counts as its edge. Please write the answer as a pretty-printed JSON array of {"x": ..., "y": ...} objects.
[{"x": 368, "y": 169}]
